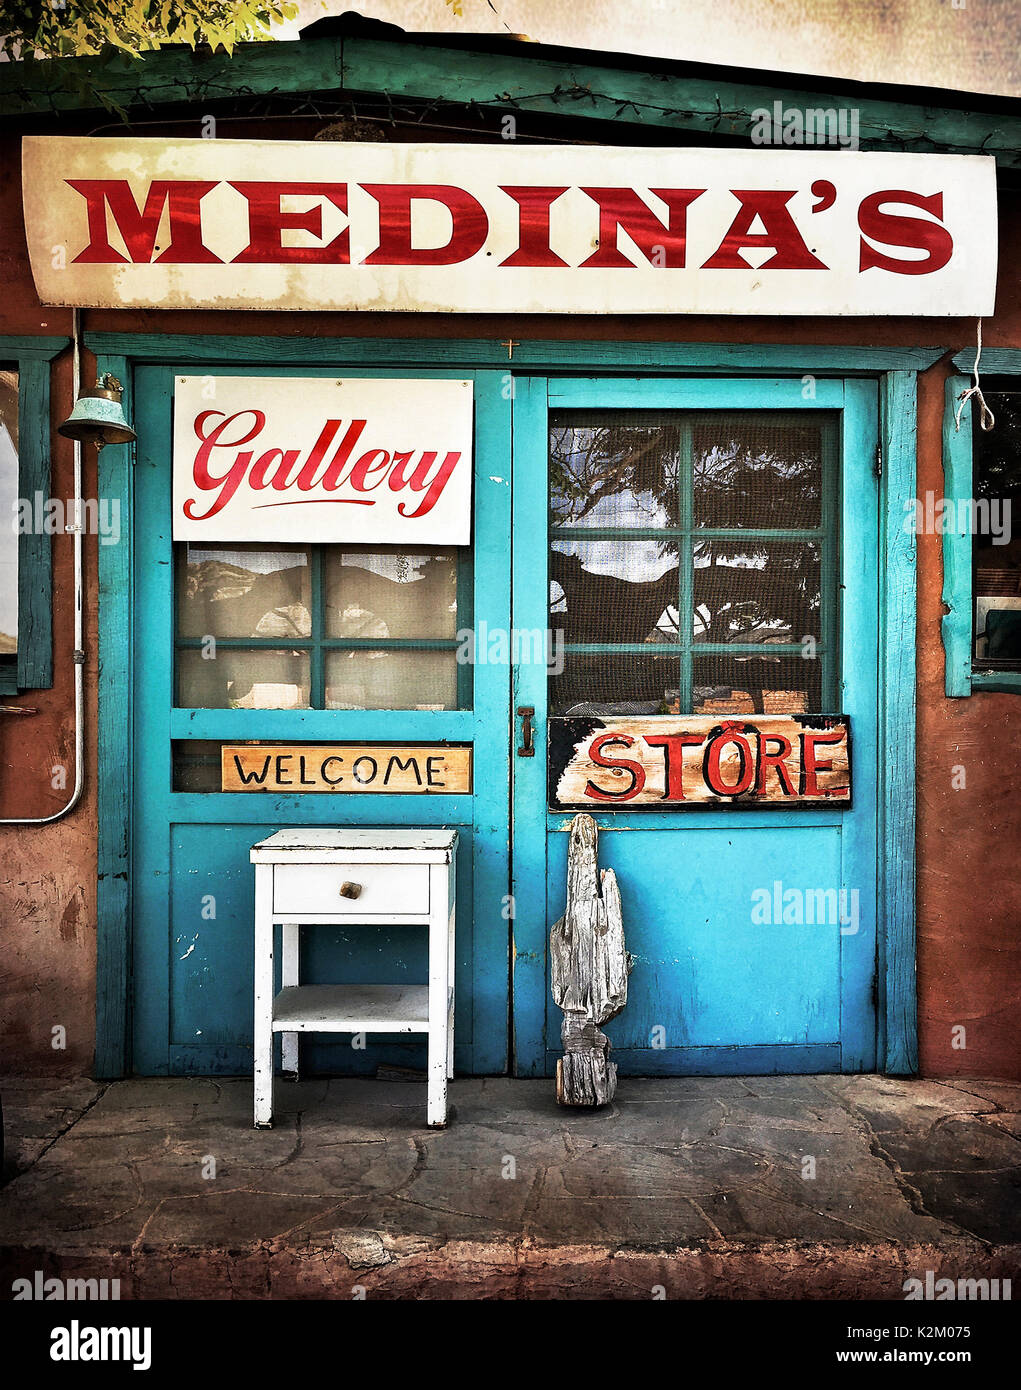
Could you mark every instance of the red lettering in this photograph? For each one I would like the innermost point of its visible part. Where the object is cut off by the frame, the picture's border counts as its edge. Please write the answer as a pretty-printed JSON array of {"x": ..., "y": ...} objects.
[
  {"x": 662, "y": 244},
  {"x": 420, "y": 481},
  {"x": 181, "y": 197},
  {"x": 228, "y": 482},
  {"x": 469, "y": 224},
  {"x": 266, "y": 222},
  {"x": 888, "y": 227},
  {"x": 770, "y": 205},
  {"x": 331, "y": 478},
  {"x": 636, "y": 770},
  {"x": 673, "y": 746},
  {"x": 711, "y": 764},
  {"x": 810, "y": 767},
  {"x": 533, "y": 225},
  {"x": 775, "y": 761},
  {"x": 366, "y": 467}
]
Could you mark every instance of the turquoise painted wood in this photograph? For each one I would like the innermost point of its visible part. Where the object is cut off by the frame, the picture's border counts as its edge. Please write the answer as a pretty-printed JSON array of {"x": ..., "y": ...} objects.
[
  {"x": 32, "y": 668},
  {"x": 192, "y": 896},
  {"x": 712, "y": 991}
]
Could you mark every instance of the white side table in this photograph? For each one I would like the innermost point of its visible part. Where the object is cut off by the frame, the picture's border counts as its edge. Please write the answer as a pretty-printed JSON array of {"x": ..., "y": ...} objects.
[{"x": 370, "y": 877}]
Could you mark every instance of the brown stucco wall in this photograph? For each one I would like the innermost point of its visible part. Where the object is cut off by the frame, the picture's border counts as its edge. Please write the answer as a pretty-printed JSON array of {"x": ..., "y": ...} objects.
[{"x": 969, "y": 892}]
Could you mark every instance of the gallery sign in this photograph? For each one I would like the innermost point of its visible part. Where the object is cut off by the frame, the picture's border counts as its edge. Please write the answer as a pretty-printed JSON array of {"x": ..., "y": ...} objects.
[
  {"x": 248, "y": 224},
  {"x": 341, "y": 768},
  {"x": 607, "y": 764},
  {"x": 367, "y": 460}
]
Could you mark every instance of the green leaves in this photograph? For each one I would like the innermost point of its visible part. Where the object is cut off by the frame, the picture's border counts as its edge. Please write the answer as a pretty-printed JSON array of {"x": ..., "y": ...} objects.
[{"x": 64, "y": 29}]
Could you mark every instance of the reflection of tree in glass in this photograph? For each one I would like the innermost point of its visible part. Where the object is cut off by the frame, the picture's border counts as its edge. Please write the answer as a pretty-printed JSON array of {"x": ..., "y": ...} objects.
[
  {"x": 757, "y": 476},
  {"x": 632, "y": 468}
]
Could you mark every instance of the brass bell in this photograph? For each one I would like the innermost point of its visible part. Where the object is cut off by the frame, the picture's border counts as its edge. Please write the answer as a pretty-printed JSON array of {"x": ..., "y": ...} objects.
[{"x": 98, "y": 417}]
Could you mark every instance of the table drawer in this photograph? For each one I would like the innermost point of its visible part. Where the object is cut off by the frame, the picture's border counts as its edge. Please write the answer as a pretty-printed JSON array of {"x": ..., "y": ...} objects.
[{"x": 385, "y": 889}]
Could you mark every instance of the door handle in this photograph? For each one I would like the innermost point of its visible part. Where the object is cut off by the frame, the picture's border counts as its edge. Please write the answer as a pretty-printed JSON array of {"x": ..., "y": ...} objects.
[{"x": 527, "y": 747}]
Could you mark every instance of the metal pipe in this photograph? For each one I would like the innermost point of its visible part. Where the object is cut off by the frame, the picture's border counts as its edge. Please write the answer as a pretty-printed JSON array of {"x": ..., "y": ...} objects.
[{"x": 78, "y": 655}]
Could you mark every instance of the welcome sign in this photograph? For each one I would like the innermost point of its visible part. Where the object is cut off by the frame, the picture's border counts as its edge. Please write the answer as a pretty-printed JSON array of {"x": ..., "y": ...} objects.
[
  {"x": 248, "y": 224},
  {"x": 368, "y": 460}
]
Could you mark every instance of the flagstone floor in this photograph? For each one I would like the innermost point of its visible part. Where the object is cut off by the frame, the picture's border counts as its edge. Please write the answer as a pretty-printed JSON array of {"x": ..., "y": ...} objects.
[{"x": 736, "y": 1187}]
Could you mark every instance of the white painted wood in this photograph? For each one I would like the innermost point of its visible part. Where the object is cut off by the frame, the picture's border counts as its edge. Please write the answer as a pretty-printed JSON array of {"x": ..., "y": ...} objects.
[
  {"x": 321, "y": 845},
  {"x": 263, "y": 1032},
  {"x": 352, "y": 1009},
  {"x": 290, "y": 943},
  {"x": 406, "y": 877},
  {"x": 394, "y": 889},
  {"x": 436, "y": 1100}
]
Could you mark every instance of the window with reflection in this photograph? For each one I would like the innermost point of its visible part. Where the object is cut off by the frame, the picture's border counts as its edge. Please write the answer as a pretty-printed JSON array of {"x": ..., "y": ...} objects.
[
  {"x": 693, "y": 561},
  {"x": 320, "y": 627},
  {"x": 996, "y": 550}
]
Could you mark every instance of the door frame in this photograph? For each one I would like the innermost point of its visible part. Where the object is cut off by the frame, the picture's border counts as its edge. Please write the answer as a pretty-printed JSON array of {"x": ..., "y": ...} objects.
[
  {"x": 896, "y": 371},
  {"x": 855, "y": 503}
]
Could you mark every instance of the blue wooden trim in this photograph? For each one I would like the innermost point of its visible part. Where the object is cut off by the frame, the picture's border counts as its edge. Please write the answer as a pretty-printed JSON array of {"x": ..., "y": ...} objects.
[
  {"x": 759, "y": 393},
  {"x": 377, "y": 726},
  {"x": 43, "y": 348},
  {"x": 958, "y": 623},
  {"x": 1005, "y": 682},
  {"x": 896, "y": 838},
  {"x": 537, "y": 354},
  {"x": 994, "y": 361},
  {"x": 530, "y": 597},
  {"x": 35, "y": 550},
  {"x": 113, "y": 755}
]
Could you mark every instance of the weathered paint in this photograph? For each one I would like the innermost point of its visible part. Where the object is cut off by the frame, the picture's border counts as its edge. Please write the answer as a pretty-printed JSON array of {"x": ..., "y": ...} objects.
[{"x": 968, "y": 951}]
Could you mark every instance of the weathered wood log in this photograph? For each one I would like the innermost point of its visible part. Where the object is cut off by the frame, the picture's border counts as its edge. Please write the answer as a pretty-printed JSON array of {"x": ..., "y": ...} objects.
[{"x": 589, "y": 970}]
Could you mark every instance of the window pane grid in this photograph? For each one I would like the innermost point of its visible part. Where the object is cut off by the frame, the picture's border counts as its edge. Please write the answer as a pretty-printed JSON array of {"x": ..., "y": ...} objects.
[
  {"x": 750, "y": 579},
  {"x": 354, "y": 594}
]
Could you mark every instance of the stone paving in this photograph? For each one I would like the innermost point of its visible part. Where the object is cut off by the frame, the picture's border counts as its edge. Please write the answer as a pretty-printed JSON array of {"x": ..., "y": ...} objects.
[{"x": 701, "y": 1185}]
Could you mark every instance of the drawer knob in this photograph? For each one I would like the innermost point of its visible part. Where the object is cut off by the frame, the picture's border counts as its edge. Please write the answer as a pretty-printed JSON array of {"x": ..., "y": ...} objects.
[{"x": 350, "y": 890}]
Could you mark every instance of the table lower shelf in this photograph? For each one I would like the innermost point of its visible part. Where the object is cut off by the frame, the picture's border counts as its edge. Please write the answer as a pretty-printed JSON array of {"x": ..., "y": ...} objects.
[{"x": 352, "y": 1009}]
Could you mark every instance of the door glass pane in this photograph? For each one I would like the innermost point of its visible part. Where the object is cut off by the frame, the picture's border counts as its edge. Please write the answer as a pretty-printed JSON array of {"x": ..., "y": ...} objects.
[
  {"x": 233, "y": 678},
  {"x": 391, "y": 593},
  {"x": 748, "y": 591},
  {"x": 363, "y": 679},
  {"x": 242, "y": 591},
  {"x": 757, "y": 469},
  {"x": 628, "y": 683},
  {"x": 611, "y": 469},
  {"x": 614, "y": 590},
  {"x": 715, "y": 528},
  {"x": 727, "y": 684}
]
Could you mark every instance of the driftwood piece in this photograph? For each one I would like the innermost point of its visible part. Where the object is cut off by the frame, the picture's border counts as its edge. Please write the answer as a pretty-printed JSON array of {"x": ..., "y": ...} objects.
[{"x": 590, "y": 966}]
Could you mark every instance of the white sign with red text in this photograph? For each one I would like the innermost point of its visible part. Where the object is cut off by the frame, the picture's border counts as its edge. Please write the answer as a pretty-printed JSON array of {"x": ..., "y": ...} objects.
[
  {"x": 317, "y": 459},
  {"x": 248, "y": 224}
]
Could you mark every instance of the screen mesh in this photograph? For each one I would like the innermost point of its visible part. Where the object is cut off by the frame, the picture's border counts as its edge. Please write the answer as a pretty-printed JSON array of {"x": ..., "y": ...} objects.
[{"x": 693, "y": 561}]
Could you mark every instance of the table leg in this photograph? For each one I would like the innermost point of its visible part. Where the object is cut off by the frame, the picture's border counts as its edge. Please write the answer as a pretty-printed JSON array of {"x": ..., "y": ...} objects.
[
  {"x": 289, "y": 975},
  {"x": 436, "y": 1103},
  {"x": 450, "y": 990},
  {"x": 263, "y": 1038}
]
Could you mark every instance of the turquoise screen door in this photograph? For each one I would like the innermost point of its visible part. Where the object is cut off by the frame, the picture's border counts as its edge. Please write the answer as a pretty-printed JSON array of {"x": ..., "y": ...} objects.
[{"x": 704, "y": 547}]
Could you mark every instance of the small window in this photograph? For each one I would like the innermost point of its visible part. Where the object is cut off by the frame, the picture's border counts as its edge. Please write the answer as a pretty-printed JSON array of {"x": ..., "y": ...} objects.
[
  {"x": 996, "y": 551},
  {"x": 341, "y": 627},
  {"x": 9, "y": 493}
]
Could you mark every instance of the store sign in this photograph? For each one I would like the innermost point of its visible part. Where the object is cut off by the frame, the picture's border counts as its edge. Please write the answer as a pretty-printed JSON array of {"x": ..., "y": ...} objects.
[
  {"x": 248, "y": 224},
  {"x": 667, "y": 763},
  {"x": 317, "y": 459},
  {"x": 342, "y": 767}
]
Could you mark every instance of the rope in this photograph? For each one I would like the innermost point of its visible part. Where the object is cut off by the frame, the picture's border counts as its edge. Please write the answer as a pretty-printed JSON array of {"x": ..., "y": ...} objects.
[{"x": 985, "y": 414}]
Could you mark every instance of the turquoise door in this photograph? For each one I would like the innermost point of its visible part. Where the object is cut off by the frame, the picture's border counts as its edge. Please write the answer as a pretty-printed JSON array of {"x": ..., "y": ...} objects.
[
  {"x": 293, "y": 643},
  {"x": 696, "y": 547}
]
